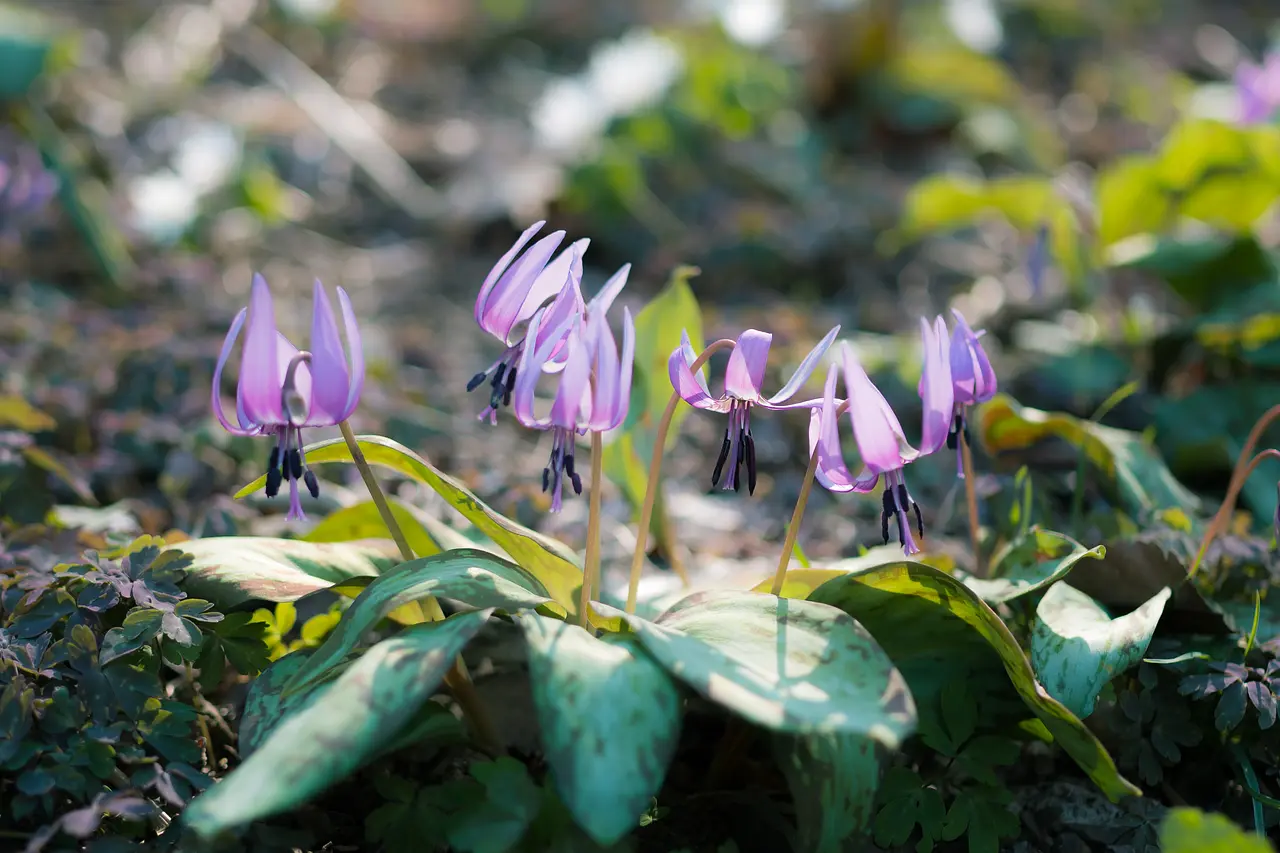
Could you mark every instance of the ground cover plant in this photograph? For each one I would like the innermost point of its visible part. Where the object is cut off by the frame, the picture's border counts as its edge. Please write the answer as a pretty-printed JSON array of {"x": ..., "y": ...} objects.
[{"x": 599, "y": 528}]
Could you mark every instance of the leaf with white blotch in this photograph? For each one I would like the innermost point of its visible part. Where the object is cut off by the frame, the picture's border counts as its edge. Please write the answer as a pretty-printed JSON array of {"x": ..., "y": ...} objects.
[
  {"x": 1076, "y": 648},
  {"x": 473, "y": 577},
  {"x": 833, "y": 780},
  {"x": 610, "y": 720},
  {"x": 1029, "y": 564},
  {"x": 555, "y": 565},
  {"x": 786, "y": 665},
  {"x": 320, "y": 744},
  {"x": 231, "y": 570}
]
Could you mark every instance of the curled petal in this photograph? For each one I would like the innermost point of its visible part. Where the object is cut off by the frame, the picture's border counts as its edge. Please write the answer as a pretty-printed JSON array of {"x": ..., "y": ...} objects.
[
  {"x": 692, "y": 387},
  {"x": 804, "y": 371},
  {"x": 228, "y": 344},
  {"x": 938, "y": 394},
  {"x": 486, "y": 289},
  {"x": 824, "y": 439},
  {"x": 881, "y": 443},
  {"x": 745, "y": 373},
  {"x": 609, "y": 292},
  {"x": 971, "y": 371},
  {"x": 567, "y": 304},
  {"x": 356, "y": 347},
  {"x": 331, "y": 383},
  {"x": 529, "y": 370},
  {"x": 550, "y": 283},
  {"x": 261, "y": 374},
  {"x": 573, "y": 393},
  {"x": 625, "y": 369},
  {"x": 295, "y": 372},
  {"x": 508, "y": 295}
]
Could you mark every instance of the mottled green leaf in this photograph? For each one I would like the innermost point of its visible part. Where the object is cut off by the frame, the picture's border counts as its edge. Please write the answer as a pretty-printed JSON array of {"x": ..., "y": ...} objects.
[
  {"x": 555, "y": 565},
  {"x": 932, "y": 625},
  {"x": 473, "y": 577},
  {"x": 230, "y": 570},
  {"x": 833, "y": 780},
  {"x": 318, "y": 745},
  {"x": 1030, "y": 563},
  {"x": 1188, "y": 830},
  {"x": 1076, "y": 648},
  {"x": 1131, "y": 471},
  {"x": 266, "y": 705},
  {"x": 610, "y": 721},
  {"x": 785, "y": 664}
]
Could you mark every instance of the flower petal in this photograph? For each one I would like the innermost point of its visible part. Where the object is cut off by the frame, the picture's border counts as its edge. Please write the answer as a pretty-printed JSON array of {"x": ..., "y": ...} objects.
[
  {"x": 552, "y": 281},
  {"x": 228, "y": 344},
  {"x": 824, "y": 439},
  {"x": 286, "y": 352},
  {"x": 356, "y": 348},
  {"x": 745, "y": 373},
  {"x": 486, "y": 289},
  {"x": 625, "y": 369},
  {"x": 692, "y": 387},
  {"x": 261, "y": 374},
  {"x": 609, "y": 292},
  {"x": 881, "y": 443},
  {"x": 330, "y": 382},
  {"x": 573, "y": 394},
  {"x": 567, "y": 304},
  {"x": 603, "y": 354},
  {"x": 805, "y": 370},
  {"x": 508, "y": 296},
  {"x": 939, "y": 393},
  {"x": 529, "y": 371}
]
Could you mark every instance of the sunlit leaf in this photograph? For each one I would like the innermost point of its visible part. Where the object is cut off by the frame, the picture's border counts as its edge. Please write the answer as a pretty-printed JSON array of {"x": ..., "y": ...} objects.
[
  {"x": 1131, "y": 200},
  {"x": 1029, "y": 564},
  {"x": 1188, "y": 830},
  {"x": 833, "y": 780}
]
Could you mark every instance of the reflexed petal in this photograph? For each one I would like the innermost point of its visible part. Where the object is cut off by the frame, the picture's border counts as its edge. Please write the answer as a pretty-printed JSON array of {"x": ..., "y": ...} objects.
[
  {"x": 286, "y": 352},
  {"x": 566, "y": 305},
  {"x": 573, "y": 395},
  {"x": 508, "y": 295},
  {"x": 228, "y": 344},
  {"x": 356, "y": 347},
  {"x": 260, "y": 371},
  {"x": 330, "y": 382},
  {"x": 692, "y": 387},
  {"x": 745, "y": 373},
  {"x": 824, "y": 439},
  {"x": 529, "y": 371},
  {"x": 551, "y": 282},
  {"x": 609, "y": 292},
  {"x": 881, "y": 443},
  {"x": 603, "y": 353},
  {"x": 939, "y": 393},
  {"x": 486, "y": 289},
  {"x": 625, "y": 369},
  {"x": 804, "y": 371}
]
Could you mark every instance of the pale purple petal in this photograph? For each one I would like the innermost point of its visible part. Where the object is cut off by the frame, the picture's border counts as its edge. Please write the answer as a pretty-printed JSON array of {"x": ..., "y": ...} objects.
[
  {"x": 508, "y": 295},
  {"x": 330, "y": 382},
  {"x": 939, "y": 393},
  {"x": 971, "y": 371},
  {"x": 486, "y": 289},
  {"x": 824, "y": 439},
  {"x": 625, "y": 369},
  {"x": 604, "y": 299},
  {"x": 1253, "y": 104},
  {"x": 805, "y": 370},
  {"x": 228, "y": 344},
  {"x": 880, "y": 439},
  {"x": 553, "y": 279},
  {"x": 573, "y": 394},
  {"x": 260, "y": 371},
  {"x": 691, "y": 387},
  {"x": 603, "y": 354},
  {"x": 286, "y": 352},
  {"x": 356, "y": 348},
  {"x": 566, "y": 305},
  {"x": 529, "y": 371},
  {"x": 745, "y": 373}
]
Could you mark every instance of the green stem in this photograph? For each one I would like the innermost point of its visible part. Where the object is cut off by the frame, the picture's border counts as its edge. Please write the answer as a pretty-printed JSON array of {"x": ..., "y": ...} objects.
[
  {"x": 971, "y": 499},
  {"x": 591, "y": 563},
  {"x": 1251, "y": 784}
]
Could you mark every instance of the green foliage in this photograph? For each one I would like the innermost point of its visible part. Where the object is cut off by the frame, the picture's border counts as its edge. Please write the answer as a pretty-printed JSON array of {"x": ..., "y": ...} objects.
[
  {"x": 1238, "y": 688},
  {"x": 1032, "y": 562},
  {"x": 1188, "y": 830},
  {"x": 1155, "y": 725}
]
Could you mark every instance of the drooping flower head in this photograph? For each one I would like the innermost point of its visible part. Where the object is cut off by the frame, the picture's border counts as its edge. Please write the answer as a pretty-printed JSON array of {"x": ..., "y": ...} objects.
[
  {"x": 881, "y": 442},
  {"x": 283, "y": 389},
  {"x": 743, "y": 380},
  {"x": 973, "y": 378},
  {"x": 1258, "y": 89},
  {"x": 519, "y": 285},
  {"x": 593, "y": 386}
]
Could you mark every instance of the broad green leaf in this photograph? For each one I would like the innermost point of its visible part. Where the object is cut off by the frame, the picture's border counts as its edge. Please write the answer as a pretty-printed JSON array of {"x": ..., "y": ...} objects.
[
  {"x": 322, "y": 743},
  {"x": 785, "y": 664},
  {"x": 1195, "y": 148},
  {"x": 266, "y": 705},
  {"x": 1188, "y": 830},
  {"x": 1030, "y": 563},
  {"x": 426, "y": 534},
  {"x": 833, "y": 780},
  {"x": 1076, "y": 648},
  {"x": 610, "y": 722},
  {"x": 17, "y": 413},
  {"x": 1203, "y": 271},
  {"x": 1131, "y": 200},
  {"x": 934, "y": 629},
  {"x": 476, "y": 578},
  {"x": 556, "y": 567},
  {"x": 230, "y": 570},
  {"x": 1132, "y": 472}
]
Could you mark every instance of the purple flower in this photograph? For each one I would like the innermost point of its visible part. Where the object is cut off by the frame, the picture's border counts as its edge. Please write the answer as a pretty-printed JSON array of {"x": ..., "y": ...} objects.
[
  {"x": 281, "y": 389},
  {"x": 518, "y": 286},
  {"x": 972, "y": 376},
  {"x": 593, "y": 386},
  {"x": 881, "y": 442},
  {"x": 1258, "y": 89},
  {"x": 26, "y": 186},
  {"x": 742, "y": 381}
]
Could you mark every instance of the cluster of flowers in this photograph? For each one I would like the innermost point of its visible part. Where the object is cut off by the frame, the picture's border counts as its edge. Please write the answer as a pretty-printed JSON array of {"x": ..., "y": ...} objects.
[{"x": 532, "y": 303}]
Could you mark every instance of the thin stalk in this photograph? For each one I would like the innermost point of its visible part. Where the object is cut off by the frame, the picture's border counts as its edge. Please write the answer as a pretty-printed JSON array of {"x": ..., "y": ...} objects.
[
  {"x": 591, "y": 564},
  {"x": 793, "y": 529},
  {"x": 971, "y": 498},
  {"x": 1251, "y": 783},
  {"x": 655, "y": 475},
  {"x": 1238, "y": 479},
  {"x": 457, "y": 679}
]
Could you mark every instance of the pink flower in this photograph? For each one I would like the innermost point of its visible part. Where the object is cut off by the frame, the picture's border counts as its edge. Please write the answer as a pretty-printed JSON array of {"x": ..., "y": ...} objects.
[
  {"x": 743, "y": 379},
  {"x": 1258, "y": 89},
  {"x": 281, "y": 389},
  {"x": 973, "y": 378}
]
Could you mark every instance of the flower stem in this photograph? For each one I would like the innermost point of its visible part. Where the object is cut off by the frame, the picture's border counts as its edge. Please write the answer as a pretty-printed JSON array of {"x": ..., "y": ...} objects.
[
  {"x": 971, "y": 498},
  {"x": 793, "y": 529},
  {"x": 591, "y": 565},
  {"x": 655, "y": 475},
  {"x": 457, "y": 679},
  {"x": 1238, "y": 478}
]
